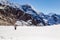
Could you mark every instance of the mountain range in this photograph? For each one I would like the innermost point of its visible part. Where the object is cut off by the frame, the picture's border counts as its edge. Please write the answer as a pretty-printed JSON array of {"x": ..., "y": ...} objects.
[{"x": 14, "y": 14}]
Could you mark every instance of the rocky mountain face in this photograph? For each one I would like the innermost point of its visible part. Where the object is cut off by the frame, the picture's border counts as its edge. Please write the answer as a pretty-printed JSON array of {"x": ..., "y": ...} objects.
[{"x": 11, "y": 14}]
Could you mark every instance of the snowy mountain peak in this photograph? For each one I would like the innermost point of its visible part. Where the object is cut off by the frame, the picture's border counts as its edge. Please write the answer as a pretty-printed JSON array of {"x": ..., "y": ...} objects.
[{"x": 50, "y": 14}]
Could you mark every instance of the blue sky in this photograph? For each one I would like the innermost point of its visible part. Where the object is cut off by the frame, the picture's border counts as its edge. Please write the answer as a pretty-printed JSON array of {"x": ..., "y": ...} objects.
[{"x": 45, "y": 6}]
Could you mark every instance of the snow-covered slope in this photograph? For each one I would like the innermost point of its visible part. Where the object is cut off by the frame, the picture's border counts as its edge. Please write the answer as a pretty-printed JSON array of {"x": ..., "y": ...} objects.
[{"x": 30, "y": 33}]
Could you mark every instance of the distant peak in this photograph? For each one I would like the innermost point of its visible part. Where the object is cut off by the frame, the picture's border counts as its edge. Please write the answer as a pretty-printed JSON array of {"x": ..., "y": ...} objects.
[{"x": 50, "y": 14}]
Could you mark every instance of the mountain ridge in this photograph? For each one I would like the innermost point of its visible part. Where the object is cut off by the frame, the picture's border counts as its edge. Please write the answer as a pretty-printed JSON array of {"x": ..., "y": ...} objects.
[{"x": 26, "y": 15}]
